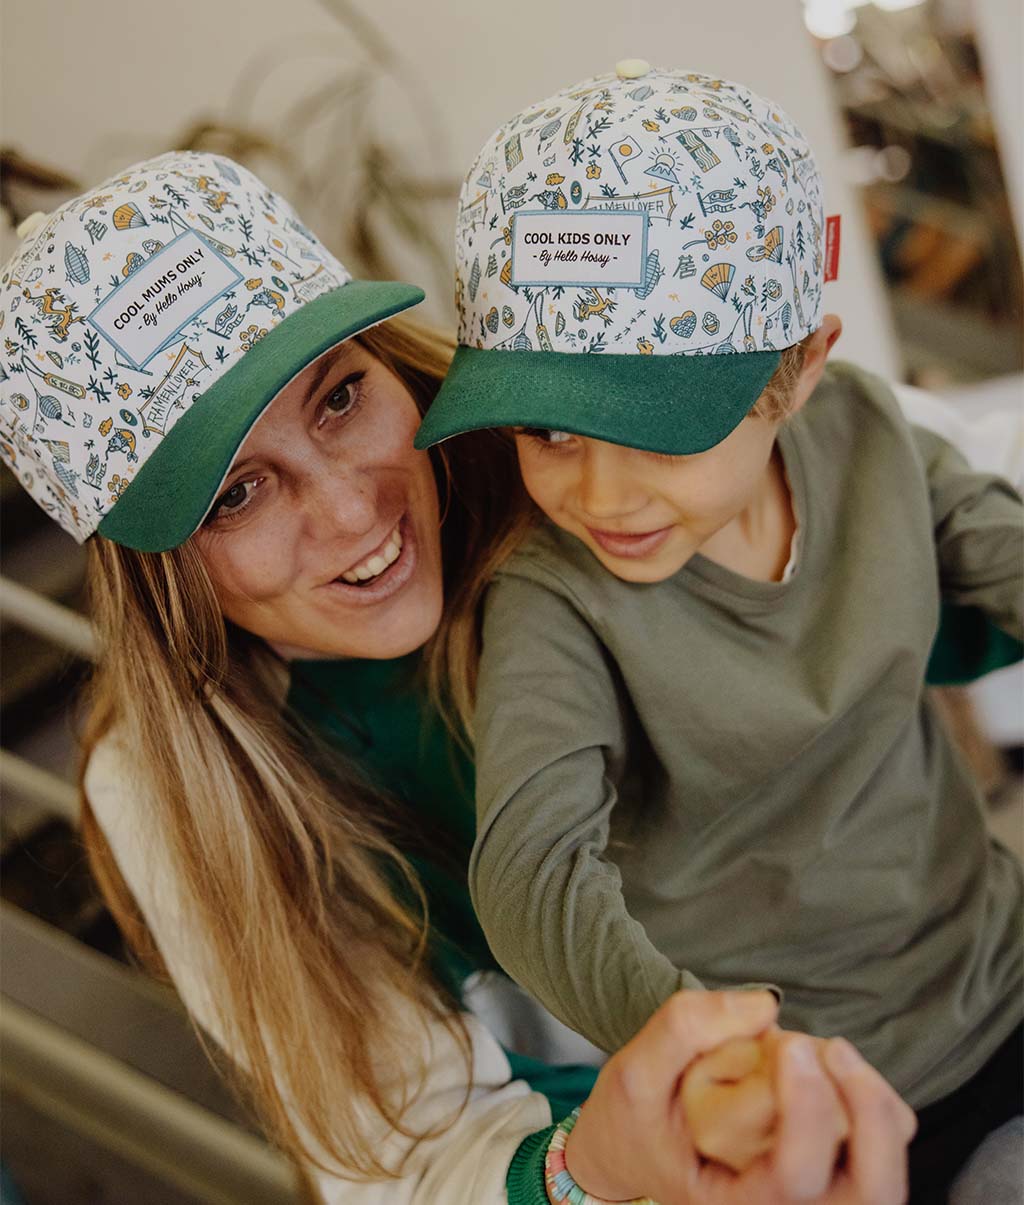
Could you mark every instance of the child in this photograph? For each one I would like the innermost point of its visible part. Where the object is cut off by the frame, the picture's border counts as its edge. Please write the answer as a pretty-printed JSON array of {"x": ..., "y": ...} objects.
[{"x": 704, "y": 752}]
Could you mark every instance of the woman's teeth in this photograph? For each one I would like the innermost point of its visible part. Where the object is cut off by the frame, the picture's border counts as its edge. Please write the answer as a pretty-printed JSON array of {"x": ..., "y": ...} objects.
[{"x": 375, "y": 565}]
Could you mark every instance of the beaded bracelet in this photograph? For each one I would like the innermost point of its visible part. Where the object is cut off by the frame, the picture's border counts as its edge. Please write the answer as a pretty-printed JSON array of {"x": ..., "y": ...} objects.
[{"x": 557, "y": 1180}]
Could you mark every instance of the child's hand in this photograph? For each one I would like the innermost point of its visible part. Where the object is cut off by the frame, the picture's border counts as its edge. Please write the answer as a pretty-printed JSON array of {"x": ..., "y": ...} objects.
[
  {"x": 631, "y": 1141},
  {"x": 730, "y": 1105}
]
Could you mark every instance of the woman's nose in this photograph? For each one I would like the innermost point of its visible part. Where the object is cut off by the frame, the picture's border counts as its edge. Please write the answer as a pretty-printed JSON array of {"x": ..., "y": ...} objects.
[
  {"x": 607, "y": 489},
  {"x": 338, "y": 501}
]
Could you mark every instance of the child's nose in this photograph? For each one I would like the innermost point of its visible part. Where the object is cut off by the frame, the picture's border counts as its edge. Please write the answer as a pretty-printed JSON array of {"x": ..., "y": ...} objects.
[{"x": 606, "y": 489}]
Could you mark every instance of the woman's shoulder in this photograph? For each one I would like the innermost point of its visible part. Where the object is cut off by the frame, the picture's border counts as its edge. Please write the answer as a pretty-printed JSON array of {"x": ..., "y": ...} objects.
[
  {"x": 117, "y": 798},
  {"x": 110, "y": 779}
]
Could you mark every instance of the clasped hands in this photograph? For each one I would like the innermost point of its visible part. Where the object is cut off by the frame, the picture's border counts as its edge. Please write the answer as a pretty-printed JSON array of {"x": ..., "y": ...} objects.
[{"x": 712, "y": 1103}]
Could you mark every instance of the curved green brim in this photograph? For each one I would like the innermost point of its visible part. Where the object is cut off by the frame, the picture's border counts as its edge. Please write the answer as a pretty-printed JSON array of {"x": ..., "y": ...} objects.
[
  {"x": 672, "y": 404},
  {"x": 173, "y": 490}
]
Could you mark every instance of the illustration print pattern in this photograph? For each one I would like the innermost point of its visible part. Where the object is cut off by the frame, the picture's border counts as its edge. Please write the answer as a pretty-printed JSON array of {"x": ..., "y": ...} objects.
[
  {"x": 221, "y": 260},
  {"x": 732, "y": 199}
]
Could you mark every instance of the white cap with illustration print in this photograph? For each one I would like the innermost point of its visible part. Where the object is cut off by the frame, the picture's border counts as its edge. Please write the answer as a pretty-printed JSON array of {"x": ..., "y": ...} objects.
[
  {"x": 146, "y": 326},
  {"x": 632, "y": 254}
]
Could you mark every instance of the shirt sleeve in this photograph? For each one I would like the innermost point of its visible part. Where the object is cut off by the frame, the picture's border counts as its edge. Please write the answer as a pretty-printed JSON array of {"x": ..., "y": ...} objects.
[
  {"x": 978, "y": 522},
  {"x": 548, "y": 720},
  {"x": 989, "y": 436},
  {"x": 491, "y": 1154}
]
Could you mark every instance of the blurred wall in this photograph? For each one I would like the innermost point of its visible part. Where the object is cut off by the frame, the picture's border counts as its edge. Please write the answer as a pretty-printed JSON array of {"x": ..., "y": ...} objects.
[{"x": 91, "y": 86}]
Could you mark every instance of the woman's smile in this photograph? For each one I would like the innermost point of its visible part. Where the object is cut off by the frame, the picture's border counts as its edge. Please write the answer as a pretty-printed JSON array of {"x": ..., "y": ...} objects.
[
  {"x": 373, "y": 565},
  {"x": 383, "y": 572}
]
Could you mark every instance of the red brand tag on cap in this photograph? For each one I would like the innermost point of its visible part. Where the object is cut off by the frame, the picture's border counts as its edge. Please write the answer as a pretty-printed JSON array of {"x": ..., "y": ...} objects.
[{"x": 832, "y": 247}]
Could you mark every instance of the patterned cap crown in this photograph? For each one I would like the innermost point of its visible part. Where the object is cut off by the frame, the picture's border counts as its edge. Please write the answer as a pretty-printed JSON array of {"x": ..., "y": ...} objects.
[
  {"x": 666, "y": 214},
  {"x": 126, "y": 306}
]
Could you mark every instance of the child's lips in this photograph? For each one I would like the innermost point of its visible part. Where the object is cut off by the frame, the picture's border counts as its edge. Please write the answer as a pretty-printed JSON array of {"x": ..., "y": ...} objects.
[{"x": 632, "y": 545}]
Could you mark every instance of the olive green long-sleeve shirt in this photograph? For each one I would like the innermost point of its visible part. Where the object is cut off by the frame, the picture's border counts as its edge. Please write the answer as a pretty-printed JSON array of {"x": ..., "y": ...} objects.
[{"x": 712, "y": 780}]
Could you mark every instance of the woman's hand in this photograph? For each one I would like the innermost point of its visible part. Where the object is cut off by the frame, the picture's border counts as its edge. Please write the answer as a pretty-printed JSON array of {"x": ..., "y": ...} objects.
[{"x": 630, "y": 1139}]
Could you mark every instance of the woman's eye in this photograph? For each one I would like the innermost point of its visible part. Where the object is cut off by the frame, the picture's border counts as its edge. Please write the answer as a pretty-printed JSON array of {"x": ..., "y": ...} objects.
[
  {"x": 341, "y": 399},
  {"x": 233, "y": 500}
]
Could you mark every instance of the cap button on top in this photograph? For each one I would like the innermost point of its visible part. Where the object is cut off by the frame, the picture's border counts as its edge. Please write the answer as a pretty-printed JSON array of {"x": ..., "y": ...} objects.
[{"x": 632, "y": 68}]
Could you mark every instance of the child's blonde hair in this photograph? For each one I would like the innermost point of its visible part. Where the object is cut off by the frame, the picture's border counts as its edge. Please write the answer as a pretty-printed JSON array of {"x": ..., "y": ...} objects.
[{"x": 776, "y": 400}]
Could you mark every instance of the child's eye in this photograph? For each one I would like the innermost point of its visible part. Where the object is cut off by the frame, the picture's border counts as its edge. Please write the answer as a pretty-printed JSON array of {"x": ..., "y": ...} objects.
[
  {"x": 545, "y": 436},
  {"x": 234, "y": 500},
  {"x": 341, "y": 400}
]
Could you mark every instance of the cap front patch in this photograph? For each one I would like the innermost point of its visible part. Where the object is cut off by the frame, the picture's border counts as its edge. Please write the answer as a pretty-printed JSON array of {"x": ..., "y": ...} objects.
[
  {"x": 162, "y": 295},
  {"x": 581, "y": 248}
]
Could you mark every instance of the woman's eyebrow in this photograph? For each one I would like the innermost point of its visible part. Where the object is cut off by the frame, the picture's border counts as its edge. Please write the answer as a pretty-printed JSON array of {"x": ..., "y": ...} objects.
[{"x": 323, "y": 368}]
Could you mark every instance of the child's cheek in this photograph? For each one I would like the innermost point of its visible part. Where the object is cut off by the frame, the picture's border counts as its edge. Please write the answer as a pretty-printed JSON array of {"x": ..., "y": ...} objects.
[
  {"x": 544, "y": 483},
  {"x": 712, "y": 498}
]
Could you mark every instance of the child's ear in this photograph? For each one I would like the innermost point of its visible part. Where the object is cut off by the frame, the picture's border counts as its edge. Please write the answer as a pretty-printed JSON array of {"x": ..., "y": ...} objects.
[{"x": 816, "y": 355}]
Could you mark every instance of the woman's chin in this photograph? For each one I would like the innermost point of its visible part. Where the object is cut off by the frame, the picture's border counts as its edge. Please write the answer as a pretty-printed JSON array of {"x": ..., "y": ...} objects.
[
  {"x": 390, "y": 615},
  {"x": 396, "y": 624}
]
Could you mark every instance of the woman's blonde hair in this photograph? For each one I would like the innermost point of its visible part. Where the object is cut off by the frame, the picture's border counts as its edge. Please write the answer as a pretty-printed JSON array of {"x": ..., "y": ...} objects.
[{"x": 288, "y": 866}]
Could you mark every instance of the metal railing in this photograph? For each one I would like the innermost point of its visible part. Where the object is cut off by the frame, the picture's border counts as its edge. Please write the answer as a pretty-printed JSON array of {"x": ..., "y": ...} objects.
[
  {"x": 155, "y": 1128},
  {"x": 69, "y": 631},
  {"x": 62, "y": 1077},
  {"x": 38, "y": 786},
  {"x": 36, "y": 613}
]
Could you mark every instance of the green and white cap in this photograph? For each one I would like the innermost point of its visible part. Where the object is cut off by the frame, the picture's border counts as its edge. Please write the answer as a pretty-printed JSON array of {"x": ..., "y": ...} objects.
[
  {"x": 146, "y": 326},
  {"x": 632, "y": 255}
]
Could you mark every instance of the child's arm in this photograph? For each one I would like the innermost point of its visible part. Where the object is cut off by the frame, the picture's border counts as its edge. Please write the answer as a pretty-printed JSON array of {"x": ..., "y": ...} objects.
[
  {"x": 548, "y": 721},
  {"x": 979, "y": 529}
]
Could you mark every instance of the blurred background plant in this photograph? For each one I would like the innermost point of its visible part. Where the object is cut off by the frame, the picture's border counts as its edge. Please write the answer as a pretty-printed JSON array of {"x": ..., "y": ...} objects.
[{"x": 329, "y": 147}]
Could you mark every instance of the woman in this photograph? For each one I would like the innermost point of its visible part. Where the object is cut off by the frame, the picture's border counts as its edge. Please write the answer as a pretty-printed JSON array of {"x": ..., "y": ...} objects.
[{"x": 270, "y": 804}]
